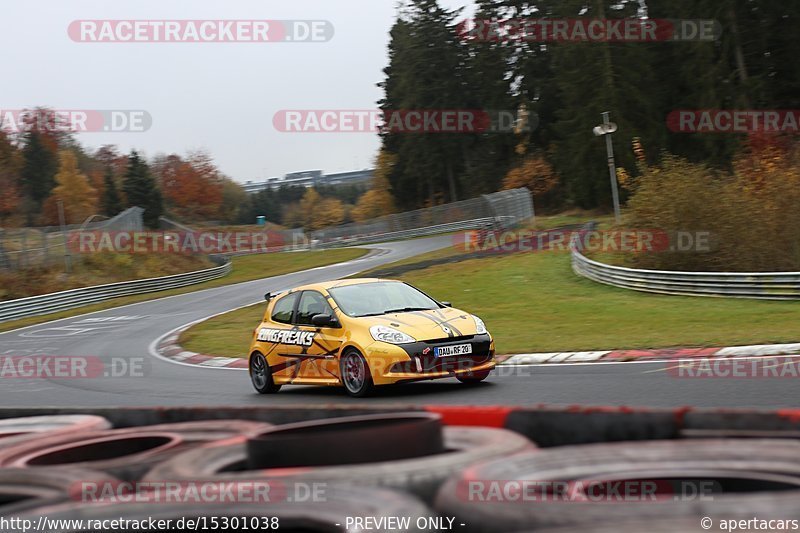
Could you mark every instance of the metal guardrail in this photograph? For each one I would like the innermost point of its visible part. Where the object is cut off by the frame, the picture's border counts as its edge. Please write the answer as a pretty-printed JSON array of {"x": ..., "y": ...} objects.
[
  {"x": 759, "y": 285},
  {"x": 70, "y": 299}
]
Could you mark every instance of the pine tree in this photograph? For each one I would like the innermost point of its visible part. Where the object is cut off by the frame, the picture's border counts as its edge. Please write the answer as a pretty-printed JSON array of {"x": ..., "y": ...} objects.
[
  {"x": 425, "y": 72},
  {"x": 40, "y": 164},
  {"x": 111, "y": 201},
  {"x": 141, "y": 190},
  {"x": 593, "y": 77},
  {"x": 10, "y": 166}
]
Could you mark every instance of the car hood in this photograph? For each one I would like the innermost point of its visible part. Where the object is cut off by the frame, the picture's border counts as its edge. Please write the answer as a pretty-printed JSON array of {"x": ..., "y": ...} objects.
[{"x": 429, "y": 325}]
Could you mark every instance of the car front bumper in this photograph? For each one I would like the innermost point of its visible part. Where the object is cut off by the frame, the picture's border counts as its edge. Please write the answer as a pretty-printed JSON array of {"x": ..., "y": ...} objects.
[{"x": 416, "y": 361}]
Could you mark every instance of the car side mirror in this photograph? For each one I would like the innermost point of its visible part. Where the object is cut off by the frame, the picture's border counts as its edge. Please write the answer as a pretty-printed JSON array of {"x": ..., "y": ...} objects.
[
  {"x": 446, "y": 304},
  {"x": 324, "y": 321}
]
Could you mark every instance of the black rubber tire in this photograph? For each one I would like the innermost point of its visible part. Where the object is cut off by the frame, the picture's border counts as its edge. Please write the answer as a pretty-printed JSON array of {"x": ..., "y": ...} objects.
[
  {"x": 420, "y": 476},
  {"x": 473, "y": 379},
  {"x": 127, "y": 454},
  {"x": 335, "y": 507},
  {"x": 205, "y": 430},
  {"x": 347, "y": 440},
  {"x": 261, "y": 374},
  {"x": 146, "y": 445},
  {"x": 25, "y": 488},
  {"x": 14, "y": 431},
  {"x": 632, "y": 460},
  {"x": 359, "y": 386}
]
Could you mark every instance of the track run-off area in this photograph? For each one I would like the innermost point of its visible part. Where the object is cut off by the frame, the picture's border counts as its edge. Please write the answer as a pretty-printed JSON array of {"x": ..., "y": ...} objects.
[{"x": 121, "y": 341}]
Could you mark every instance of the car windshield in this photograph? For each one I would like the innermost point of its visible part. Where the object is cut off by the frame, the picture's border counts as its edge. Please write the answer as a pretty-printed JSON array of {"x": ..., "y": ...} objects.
[{"x": 373, "y": 299}]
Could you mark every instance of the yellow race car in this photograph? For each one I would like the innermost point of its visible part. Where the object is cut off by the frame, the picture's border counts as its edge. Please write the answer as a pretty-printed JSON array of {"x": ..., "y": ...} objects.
[{"x": 365, "y": 332}]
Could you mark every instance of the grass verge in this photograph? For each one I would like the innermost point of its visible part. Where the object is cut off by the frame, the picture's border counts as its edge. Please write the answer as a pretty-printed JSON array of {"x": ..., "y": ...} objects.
[{"x": 245, "y": 268}]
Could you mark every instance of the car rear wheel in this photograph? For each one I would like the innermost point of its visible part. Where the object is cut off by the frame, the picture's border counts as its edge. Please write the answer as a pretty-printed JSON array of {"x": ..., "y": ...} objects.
[
  {"x": 261, "y": 375},
  {"x": 472, "y": 377},
  {"x": 355, "y": 374}
]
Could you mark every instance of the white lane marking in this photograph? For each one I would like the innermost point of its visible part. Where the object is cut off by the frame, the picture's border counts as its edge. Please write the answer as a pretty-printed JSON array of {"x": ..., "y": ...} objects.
[
  {"x": 152, "y": 348},
  {"x": 67, "y": 331},
  {"x": 648, "y": 362}
]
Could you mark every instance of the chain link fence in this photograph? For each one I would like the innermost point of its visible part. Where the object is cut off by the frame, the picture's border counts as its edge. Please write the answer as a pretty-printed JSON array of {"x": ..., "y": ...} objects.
[
  {"x": 22, "y": 248},
  {"x": 497, "y": 211}
]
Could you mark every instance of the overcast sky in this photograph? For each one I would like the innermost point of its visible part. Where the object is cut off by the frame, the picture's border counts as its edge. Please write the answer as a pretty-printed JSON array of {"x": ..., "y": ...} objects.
[{"x": 215, "y": 96}]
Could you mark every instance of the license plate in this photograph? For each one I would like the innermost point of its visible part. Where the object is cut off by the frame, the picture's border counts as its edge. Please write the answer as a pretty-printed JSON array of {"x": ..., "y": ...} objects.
[{"x": 458, "y": 349}]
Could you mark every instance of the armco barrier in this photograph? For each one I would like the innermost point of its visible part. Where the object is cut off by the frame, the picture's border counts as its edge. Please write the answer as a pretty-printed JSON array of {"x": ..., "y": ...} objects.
[
  {"x": 60, "y": 301},
  {"x": 760, "y": 285}
]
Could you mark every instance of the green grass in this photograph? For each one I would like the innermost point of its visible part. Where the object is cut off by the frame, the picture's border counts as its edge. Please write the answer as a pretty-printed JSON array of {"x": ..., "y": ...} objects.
[
  {"x": 533, "y": 302},
  {"x": 245, "y": 268},
  {"x": 227, "y": 335}
]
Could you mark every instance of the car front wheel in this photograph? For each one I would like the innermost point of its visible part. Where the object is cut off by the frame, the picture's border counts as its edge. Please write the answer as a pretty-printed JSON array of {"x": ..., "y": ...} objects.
[{"x": 355, "y": 374}]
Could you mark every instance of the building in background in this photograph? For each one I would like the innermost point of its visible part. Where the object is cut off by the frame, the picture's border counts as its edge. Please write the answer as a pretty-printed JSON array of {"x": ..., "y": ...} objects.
[{"x": 311, "y": 178}]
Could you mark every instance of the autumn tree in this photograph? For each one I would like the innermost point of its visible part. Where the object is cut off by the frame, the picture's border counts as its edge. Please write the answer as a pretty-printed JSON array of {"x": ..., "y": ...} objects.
[
  {"x": 319, "y": 212},
  {"x": 534, "y": 173},
  {"x": 378, "y": 200},
  {"x": 234, "y": 201},
  {"x": 73, "y": 189},
  {"x": 192, "y": 187}
]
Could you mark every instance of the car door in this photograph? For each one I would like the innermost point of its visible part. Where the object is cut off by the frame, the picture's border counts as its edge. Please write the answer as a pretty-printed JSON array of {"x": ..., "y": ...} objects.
[
  {"x": 320, "y": 362},
  {"x": 280, "y": 345}
]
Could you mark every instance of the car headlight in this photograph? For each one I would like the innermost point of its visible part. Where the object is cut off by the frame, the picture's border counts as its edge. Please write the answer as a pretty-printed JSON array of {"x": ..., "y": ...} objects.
[
  {"x": 390, "y": 335},
  {"x": 480, "y": 327}
]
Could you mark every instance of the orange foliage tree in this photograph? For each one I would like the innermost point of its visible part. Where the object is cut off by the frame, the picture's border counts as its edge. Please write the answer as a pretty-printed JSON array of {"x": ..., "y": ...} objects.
[
  {"x": 533, "y": 173},
  {"x": 191, "y": 187}
]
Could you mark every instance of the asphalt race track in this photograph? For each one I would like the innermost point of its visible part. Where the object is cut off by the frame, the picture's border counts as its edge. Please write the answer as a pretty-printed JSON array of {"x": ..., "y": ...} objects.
[{"x": 122, "y": 338}]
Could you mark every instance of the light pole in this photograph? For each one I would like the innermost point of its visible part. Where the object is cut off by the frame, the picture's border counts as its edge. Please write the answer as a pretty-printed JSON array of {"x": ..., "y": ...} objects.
[{"x": 606, "y": 129}]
